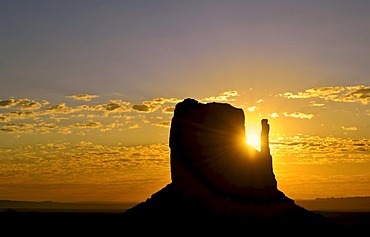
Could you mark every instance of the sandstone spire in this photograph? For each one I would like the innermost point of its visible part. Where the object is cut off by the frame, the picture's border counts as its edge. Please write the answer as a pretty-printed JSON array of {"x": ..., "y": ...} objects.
[{"x": 265, "y": 149}]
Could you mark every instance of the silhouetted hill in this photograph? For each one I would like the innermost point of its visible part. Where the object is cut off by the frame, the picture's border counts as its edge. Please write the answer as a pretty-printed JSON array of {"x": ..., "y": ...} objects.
[{"x": 220, "y": 184}]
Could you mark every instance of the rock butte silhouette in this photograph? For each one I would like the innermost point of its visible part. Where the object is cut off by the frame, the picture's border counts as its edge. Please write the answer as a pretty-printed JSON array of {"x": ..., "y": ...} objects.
[{"x": 219, "y": 182}]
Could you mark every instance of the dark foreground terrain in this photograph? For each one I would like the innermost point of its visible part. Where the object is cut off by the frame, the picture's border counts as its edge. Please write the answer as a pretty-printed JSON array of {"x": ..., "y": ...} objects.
[{"x": 111, "y": 223}]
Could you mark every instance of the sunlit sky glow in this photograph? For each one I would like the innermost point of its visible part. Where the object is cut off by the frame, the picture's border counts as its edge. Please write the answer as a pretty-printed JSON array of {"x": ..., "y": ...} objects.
[{"x": 88, "y": 90}]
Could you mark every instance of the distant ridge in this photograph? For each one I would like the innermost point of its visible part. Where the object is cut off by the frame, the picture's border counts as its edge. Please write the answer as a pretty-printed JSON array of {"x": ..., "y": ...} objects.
[
  {"x": 63, "y": 206},
  {"x": 341, "y": 204}
]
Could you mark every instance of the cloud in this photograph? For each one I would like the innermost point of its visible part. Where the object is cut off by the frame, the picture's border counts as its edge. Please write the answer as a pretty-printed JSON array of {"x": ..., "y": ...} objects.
[
  {"x": 111, "y": 126},
  {"x": 51, "y": 111},
  {"x": 134, "y": 126},
  {"x": 153, "y": 105},
  {"x": 117, "y": 106},
  {"x": 62, "y": 118},
  {"x": 350, "y": 94},
  {"x": 165, "y": 124},
  {"x": 252, "y": 108},
  {"x": 87, "y": 125},
  {"x": 54, "y": 146},
  {"x": 23, "y": 104},
  {"x": 18, "y": 128},
  {"x": 314, "y": 104},
  {"x": 115, "y": 125},
  {"x": 44, "y": 127},
  {"x": 127, "y": 117},
  {"x": 7, "y": 103},
  {"x": 226, "y": 96},
  {"x": 4, "y": 118},
  {"x": 168, "y": 110},
  {"x": 27, "y": 104},
  {"x": 30, "y": 128},
  {"x": 84, "y": 97},
  {"x": 299, "y": 115},
  {"x": 7, "y": 117},
  {"x": 274, "y": 115},
  {"x": 306, "y": 149},
  {"x": 349, "y": 128},
  {"x": 64, "y": 130},
  {"x": 6, "y": 129},
  {"x": 144, "y": 108},
  {"x": 84, "y": 165},
  {"x": 26, "y": 109},
  {"x": 59, "y": 108}
]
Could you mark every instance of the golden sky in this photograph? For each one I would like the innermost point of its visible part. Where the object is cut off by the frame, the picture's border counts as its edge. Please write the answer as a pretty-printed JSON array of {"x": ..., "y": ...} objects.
[{"x": 88, "y": 89}]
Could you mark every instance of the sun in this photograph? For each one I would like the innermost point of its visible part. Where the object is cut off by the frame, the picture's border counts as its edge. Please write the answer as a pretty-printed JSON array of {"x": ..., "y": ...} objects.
[{"x": 253, "y": 140}]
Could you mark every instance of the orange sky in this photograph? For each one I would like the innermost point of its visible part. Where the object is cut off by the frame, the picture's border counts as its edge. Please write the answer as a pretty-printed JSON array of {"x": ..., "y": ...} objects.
[
  {"x": 88, "y": 91},
  {"x": 79, "y": 150}
]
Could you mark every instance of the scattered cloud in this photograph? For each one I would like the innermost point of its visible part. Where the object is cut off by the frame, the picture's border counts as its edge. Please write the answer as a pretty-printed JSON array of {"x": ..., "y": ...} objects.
[
  {"x": 153, "y": 105},
  {"x": 349, "y": 128},
  {"x": 4, "y": 118},
  {"x": 116, "y": 106},
  {"x": 18, "y": 128},
  {"x": 305, "y": 149},
  {"x": 64, "y": 130},
  {"x": 274, "y": 115},
  {"x": 59, "y": 108},
  {"x": 314, "y": 104},
  {"x": 30, "y": 128},
  {"x": 14, "y": 109},
  {"x": 7, "y": 103},
  {"x": 115, "y": 124},
  {"x": 51, "y": 145},
  {"x": 252, "y": 108},
  {"x": 84, "y": 97},
  {"x": 134, "y": 126},
  {"x": 168, "y": 110},
  {"x": 88, "y": 163},
  {"x": 17, "y": 115},
  {"x": 87, "y": 125},
  {"x": 83, "y": 164},
  {"x": 23, "y": 104},
  {"x": 226, "y": 96},
  {"x": 145, "y": 108},
  {"x": 298, "y": 115},
  {"x": 165, "y": 124},
  {"x": 352, "y": 94},
  {"x": 127, "y": 117}
]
